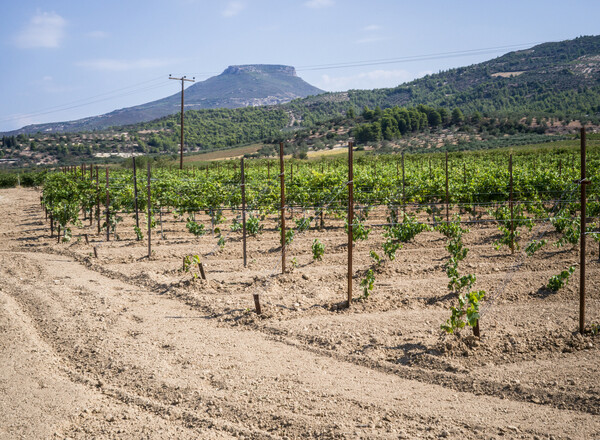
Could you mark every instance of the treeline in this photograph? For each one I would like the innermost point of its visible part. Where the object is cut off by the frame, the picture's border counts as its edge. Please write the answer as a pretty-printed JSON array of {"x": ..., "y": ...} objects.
[
  {"x": 213, "y": 129},
  {"x": 393, "y": 123}
]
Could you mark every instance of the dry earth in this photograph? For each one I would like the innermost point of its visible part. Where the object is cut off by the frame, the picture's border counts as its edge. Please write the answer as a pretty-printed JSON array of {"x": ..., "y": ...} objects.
[{"x": 125, "y": 347}]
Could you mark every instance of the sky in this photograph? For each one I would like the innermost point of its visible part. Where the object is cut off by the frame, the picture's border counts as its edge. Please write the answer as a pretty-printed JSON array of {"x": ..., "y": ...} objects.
[{"x": 63, "y": 60}]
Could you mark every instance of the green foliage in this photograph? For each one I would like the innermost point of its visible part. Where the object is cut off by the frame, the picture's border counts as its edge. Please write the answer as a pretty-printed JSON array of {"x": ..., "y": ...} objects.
[
  {"x": 236, "y": 225},
  {"x": 195, "y": 228},
  {"x": 289, "y": 236},
  {"x": 570, "y": 228},
  {"x": 138, "y": 233},
  {"x": 557, "y": 282},
  {"x": 407, "y": 230},
  {"x": 451, "y": 229},
  {"x": 535, "y": 246},
  {"x": 508, "y": 237},
  {"x": 359, "y": 230},
  {"x": 468, "y": 307},
  {"x": 318, "y": 249},
  {"x": 189, "y": 261},
  {"x": 376, "y": 258},
  {"x": 367, "y": 283},
  {"x": 253, "y": 226},
  {"x": 303, "y": 224},
  {"x": 390, "y": 247},
  {"x": 8, "y": 180}
]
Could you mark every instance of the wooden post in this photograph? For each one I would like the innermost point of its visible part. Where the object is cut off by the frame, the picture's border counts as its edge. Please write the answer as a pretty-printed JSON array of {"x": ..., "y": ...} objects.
[
  {"x": 135, "y": 197},
  {"x": 257, "y": 304},
  {"x": 282, "y": 199},
  {"x": 202, "y": 273},
  {"x": 350, "y": 219},
  {"x": 107, "y": 208},
  {"x": 243, "y": 175},
  {"x": 149, "y": 214},
  {"x": 583, "y": 183},
  {"x": 51, "y": 226}
]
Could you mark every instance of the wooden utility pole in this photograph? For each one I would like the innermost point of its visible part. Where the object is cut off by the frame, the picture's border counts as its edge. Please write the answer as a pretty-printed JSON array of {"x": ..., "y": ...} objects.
[{"x": 182, "y": 79}]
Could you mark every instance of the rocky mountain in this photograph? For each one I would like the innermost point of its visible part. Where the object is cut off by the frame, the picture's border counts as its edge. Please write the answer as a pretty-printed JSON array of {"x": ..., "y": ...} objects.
[{"x": 238, "y": 86}]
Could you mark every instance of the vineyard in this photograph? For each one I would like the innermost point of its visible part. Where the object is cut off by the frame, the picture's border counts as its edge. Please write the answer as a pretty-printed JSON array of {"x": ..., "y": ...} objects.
[
  {"x": 443, "y": 247},
  {"x": 396, "y": 196}
]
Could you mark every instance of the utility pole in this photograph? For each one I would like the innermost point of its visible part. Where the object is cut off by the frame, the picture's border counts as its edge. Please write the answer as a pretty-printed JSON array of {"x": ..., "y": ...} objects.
[{"x": 182, "y": 79}]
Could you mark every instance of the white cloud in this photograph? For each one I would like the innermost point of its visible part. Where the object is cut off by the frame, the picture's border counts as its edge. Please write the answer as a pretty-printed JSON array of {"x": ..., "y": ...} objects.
[
  {"x": 367, "y": 80},
  {"x": 113, "y": 65},
  {"x": 48, "y": 85},
  {"x": 367, "y": 40},
  {"x": 317, "y": 4},
  {"x": 370, "y": 34},
  {"x": 233, "y": 8},
  {"x": 97, "y": 34},
  {"x": 45, "y": 29}
]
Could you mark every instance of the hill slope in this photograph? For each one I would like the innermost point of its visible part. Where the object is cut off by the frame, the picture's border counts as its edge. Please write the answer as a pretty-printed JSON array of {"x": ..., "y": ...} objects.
[
  {"x": 558, "y": 79},
  {"x": 237, "y": 86}
]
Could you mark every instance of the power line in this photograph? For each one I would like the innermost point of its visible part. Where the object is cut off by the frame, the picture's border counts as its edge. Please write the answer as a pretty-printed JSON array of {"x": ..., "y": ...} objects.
[
  {"x": 433, "y": 56},
  {"x": 342, "y": 65},
  {"x": 74, "y": 104}
]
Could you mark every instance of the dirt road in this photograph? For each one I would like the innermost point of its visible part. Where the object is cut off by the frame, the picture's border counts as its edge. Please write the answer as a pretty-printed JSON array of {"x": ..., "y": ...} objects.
[{"x": 100, "y": 353}]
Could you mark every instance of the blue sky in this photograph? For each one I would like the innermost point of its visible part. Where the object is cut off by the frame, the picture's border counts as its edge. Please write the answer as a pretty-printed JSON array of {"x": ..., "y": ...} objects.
[{"x": 64, "y": 59}]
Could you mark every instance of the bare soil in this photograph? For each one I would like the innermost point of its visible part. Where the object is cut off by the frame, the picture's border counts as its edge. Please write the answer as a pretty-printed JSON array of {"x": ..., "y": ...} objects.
[{"x": 122, "y": 346}]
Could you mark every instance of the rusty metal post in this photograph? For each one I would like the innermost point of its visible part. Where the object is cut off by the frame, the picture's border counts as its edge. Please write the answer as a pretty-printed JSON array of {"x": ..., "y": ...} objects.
[
  {"x": 98, "y": 199},
  {"x": 149, "y": 214},
  {"x": 350, "y": 219},
  {"x": 511, "y": 206},
  {"x": 243, "y": 175},
  {"x": 447, "y": 195},
  {"x": 282, "y": 184},
  {"x": 107, "y": 208},
  {"x": 583, "y": 183},
  {"x": 135, "y": 196},
  {"x": 291, "y": 184},
  {"x": 403, "y": 185}
]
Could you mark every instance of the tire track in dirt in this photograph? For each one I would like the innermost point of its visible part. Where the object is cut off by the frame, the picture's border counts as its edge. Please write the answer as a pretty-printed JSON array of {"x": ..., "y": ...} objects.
[{"x": 458, "y": 382}]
